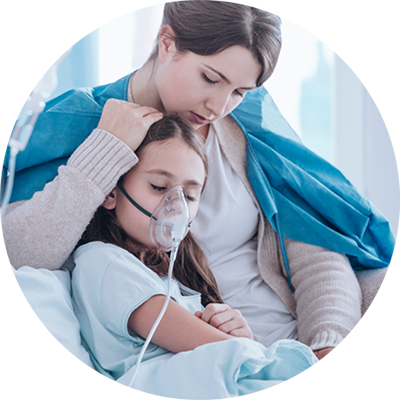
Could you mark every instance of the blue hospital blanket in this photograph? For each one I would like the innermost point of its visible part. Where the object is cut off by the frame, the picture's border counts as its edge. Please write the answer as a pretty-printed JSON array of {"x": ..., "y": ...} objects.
[
  {"x": 109, "y": 283},
  {"x": 288, "y": 179},
  {"x": 231, "y": 368}
]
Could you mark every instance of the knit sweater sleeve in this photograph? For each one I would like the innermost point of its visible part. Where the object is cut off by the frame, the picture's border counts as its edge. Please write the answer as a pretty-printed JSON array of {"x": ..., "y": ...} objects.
[
  {"x": 43, "y": 231},
  {"x": 327, "y": 294}
]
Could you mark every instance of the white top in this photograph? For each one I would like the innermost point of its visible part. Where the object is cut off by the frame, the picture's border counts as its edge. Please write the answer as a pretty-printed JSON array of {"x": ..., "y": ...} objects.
[
  {"x": 108, "y": 284},
  {"x": 226, "y": 228}
]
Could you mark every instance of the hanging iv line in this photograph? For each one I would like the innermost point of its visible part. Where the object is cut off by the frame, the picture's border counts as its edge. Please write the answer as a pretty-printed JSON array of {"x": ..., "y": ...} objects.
[
  {"x": 168, "y": 226},
  {"x": 26, "y": 122},
  {"x": 30, "y": 59}
]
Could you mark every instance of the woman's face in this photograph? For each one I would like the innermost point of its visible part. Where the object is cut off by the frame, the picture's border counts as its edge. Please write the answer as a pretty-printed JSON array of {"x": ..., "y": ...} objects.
[
  {"x": 162, "y": 164},
  {"x": 203, "y": 89}
]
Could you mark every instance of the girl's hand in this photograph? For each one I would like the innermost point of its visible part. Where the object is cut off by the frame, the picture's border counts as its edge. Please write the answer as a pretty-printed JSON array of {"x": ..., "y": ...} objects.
[
  {"x": 226, "y": 319},
  {"x": 323, "y": 352},
  {"x": 128, "y": 122}
]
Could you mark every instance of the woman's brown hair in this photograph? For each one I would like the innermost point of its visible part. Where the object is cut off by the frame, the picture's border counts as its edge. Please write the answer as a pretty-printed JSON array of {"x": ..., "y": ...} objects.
[
  {"x": 207, "y": 27},
  {"x": 191, "y": 267}
]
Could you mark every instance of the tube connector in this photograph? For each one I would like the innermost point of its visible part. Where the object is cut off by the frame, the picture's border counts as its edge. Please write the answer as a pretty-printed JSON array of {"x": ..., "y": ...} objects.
[{"x": 178, "y": 231}]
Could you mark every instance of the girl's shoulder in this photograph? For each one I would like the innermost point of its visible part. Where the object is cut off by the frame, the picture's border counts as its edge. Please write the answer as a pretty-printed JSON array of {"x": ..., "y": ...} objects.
[
  {"x": 100, "y": 252},
  {"x": 97, "y": 247},
  {"x": 95, "y": 260}
]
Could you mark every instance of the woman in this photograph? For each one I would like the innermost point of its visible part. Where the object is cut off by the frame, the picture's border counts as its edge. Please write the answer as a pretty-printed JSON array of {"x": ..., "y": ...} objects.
[{"x": 202, "y": 84}]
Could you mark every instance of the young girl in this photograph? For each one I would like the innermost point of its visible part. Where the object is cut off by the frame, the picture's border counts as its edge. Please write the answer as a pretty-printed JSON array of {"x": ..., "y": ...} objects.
[{"x": 119, "y": 282}]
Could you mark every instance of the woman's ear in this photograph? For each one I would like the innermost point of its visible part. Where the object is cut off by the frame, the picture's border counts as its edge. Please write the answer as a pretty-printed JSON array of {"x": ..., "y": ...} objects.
[
  {"x": 110, "y": 201},
  {"x": 166, "y": 43}
]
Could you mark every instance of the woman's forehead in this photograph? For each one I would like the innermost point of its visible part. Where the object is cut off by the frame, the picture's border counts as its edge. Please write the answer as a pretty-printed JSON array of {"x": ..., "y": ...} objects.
[{"x": 235, "y": 65}]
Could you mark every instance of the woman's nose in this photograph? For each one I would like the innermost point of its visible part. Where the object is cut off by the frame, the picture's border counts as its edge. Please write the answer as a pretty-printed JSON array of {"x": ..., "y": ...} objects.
[{"x": 218, "y": 104}]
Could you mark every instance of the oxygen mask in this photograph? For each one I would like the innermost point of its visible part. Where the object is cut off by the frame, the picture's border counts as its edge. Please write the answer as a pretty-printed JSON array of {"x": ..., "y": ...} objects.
[{"x": 170, "y": 219}]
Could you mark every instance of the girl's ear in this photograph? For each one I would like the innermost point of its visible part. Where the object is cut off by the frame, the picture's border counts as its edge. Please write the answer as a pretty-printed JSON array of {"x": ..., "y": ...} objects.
[
  {"x": 110, "y": 201},
  {"x": 166, "y": 43}
]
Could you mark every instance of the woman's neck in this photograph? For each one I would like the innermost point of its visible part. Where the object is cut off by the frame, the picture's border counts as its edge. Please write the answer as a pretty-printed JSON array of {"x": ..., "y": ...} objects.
[
  {"x": 203, "y": 130},
  {"x": 143, "y": 88}
]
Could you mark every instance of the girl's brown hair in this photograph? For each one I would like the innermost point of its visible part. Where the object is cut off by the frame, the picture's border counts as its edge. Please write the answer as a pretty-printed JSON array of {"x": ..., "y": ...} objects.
[
  {"x": 191, "y": 267},
  {"x": 207, "y": 27}
]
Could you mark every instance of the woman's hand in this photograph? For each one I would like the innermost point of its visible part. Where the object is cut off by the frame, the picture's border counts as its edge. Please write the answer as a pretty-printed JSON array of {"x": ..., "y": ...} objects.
[
  {"x": 226, "y": 319},
  {"x": 321, "y": 353},
  {"x": 127, "y": 121}
]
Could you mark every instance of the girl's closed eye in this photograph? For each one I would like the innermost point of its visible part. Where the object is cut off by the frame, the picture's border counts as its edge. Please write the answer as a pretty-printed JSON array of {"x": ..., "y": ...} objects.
[
  {"x": 158, "y": 188},
  {"x": 190, "y": 198},
  {"x": 163, "y": 188}
]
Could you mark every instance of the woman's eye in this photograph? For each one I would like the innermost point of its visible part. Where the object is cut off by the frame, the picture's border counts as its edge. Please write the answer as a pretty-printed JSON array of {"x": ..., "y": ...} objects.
[
  {"x": 211, "y": 82},
  {"x": 208, "y": 80},
  {"x": 158, "y": 188},
  {"x": 239, "y": 93}
]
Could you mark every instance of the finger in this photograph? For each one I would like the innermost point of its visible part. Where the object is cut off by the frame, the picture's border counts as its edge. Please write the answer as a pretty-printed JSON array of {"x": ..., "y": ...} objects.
[
  {"x": 198, "y": 314},
  {"x": 152, "y": 118},
  {"x": 112, "y": 103},
  {"x": 208, "y": 313},
  {"x": 212, "y": 309},
  {"x": 135, "y": 105},
  {"x": 229, "y": 326},
  {"x": 143, "y": 111},
  {"x": 217, "y": 320},
  {"x": 242, "y": 332},
  {"x": 230, "y": 314}
]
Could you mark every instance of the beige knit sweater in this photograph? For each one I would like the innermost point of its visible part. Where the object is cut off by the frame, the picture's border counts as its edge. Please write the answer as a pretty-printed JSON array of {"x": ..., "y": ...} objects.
[{"x": 43, "y": 231}]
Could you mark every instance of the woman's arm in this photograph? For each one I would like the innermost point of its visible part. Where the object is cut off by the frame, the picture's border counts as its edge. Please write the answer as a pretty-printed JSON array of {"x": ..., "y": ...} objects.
[
  {"x": 43, "y": 231},
  {"x": 327, "y": 295},
  {"x": 179, "y": 330},
  {"x": 328, "y": 299}
]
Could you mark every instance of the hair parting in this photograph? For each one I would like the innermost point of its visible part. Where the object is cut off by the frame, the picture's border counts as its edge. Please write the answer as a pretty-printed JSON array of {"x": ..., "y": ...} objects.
[{"x": 207, "y": 27}]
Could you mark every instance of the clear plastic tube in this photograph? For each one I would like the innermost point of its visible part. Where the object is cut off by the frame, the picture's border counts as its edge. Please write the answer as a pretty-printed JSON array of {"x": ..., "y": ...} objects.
[
  {"x": 27, "y": 121},
  {"x": 19, "y": 139},
  {"x": 162, "y": 312},
  {"x": 10, "y": 181}
]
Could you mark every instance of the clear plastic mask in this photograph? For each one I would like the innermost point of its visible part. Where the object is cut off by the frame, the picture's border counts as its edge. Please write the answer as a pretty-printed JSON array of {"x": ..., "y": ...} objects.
[{"x": 171, "y": 214}]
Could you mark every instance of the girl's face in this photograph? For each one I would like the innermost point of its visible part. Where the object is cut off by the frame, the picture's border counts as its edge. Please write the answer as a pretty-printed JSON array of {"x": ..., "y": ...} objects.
[
  {"x": 203, "y": 89},
  {"x": 162, "y": 165}
]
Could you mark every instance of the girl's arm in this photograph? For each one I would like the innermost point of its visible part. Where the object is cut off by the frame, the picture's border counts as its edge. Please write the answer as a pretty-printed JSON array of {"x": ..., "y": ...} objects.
[{"x": 179, "y": 330}]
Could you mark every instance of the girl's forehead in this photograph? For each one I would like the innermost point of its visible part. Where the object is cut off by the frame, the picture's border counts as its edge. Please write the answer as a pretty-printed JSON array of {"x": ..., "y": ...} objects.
[
  {"x": 162, "y": 147},
  {"x": 174, "y": 155}
]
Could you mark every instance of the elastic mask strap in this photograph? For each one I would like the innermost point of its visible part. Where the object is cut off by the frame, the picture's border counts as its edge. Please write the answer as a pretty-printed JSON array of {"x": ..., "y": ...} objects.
[{"x": 140, "y": 208}]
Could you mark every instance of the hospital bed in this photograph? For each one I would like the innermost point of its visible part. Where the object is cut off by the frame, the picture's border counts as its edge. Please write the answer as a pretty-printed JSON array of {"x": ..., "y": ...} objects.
[{"x": 42, "y": 357}]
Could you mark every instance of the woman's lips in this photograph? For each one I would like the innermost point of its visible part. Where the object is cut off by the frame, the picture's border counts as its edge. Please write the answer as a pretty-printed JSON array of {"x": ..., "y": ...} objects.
[{"x": 198, "y": 119}]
